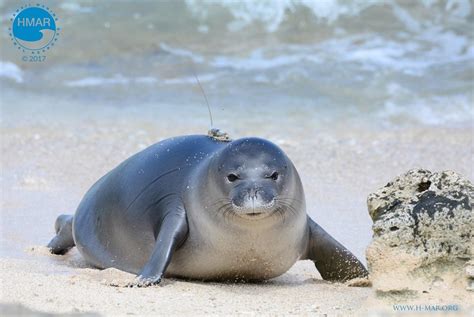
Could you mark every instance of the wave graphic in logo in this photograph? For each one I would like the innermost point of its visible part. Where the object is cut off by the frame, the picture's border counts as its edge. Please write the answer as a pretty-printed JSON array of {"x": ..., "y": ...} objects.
[{"x": 34, "y": 28}]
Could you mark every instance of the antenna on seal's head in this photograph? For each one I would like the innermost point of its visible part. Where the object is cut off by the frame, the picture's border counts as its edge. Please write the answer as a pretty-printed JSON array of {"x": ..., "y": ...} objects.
[
  {"x": 205, "y": 98},
  {"x": 212, "y": 132}
]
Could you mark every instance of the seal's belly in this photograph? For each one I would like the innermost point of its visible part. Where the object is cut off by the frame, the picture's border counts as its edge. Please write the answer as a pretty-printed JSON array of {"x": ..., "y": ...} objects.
[{"x": 234, "y": 261}]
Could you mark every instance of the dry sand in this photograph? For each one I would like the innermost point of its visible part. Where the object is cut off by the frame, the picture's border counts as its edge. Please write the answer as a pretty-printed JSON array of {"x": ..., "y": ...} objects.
[
  {"x": 48, "y": 162},
  {"x": 63, "y": 288},
  {"x": 66, "y": 285}
]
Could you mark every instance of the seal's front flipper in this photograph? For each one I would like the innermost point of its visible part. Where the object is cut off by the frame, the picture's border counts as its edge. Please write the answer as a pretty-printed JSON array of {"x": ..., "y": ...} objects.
[
  {"x": 63, "y": 241},
  {"x": 333, "y": 261},
  {"x": 173, "y": 230}
]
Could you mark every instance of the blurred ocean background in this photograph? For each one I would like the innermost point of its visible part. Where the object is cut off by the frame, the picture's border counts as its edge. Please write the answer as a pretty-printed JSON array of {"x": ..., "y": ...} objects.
[
  {"x": 384, "y": 62},
  {"x": 356, "y": 92}
]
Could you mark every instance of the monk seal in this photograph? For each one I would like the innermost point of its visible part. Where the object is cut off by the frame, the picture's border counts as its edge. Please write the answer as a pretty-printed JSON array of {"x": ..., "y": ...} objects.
[{"x": 201, "y": 208}]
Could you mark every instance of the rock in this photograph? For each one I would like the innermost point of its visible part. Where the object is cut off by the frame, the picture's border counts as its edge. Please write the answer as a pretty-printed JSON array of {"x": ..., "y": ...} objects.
[
  {"x": 470, "y": 275},
  {"x": 422, "y": 232},
  {"x": 470, "y": 269}
]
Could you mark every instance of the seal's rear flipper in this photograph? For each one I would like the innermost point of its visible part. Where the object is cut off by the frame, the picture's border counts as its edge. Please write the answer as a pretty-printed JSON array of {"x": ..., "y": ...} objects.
[
  {"x": 63, "y": 241},
  {"x": 333, "y": 261}
]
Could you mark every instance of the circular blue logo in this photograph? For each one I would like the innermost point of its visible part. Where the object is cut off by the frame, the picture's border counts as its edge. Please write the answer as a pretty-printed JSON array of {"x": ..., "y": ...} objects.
[{"x": 34, "y": 28}]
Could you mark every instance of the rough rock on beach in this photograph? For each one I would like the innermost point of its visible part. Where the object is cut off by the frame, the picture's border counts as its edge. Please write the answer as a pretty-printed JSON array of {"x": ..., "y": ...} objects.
[{"x": 422, "y": 234}]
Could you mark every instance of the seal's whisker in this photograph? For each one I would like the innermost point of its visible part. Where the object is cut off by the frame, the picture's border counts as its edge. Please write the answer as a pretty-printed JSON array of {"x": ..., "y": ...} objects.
[
  {"x": 220, "y": 202},
  {"x": 228, "y": 214},
  {"x": 287, "y": 204},
  {"x": 226, "y": 211},
  {"x": 289, "y": 199}
]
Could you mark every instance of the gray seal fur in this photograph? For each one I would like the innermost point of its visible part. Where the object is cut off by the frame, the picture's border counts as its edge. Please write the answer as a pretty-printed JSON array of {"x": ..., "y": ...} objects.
[{"x": 199, "y": 208}]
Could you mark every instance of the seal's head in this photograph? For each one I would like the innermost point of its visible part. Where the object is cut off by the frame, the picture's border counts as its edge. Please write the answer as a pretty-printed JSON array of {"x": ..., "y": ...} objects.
[{"x": 256, "y": 178}]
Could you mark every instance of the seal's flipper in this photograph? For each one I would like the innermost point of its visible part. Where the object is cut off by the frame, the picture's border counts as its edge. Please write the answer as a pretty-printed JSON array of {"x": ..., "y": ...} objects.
[
  {"x": 173, "y": 230},
  {"x": 333, "y": 261},
  {"x": 63, "y": 241}
]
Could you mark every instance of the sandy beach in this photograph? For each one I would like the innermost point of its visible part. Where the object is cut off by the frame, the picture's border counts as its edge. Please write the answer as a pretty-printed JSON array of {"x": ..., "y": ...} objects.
[{"x": 87, "y": 290}]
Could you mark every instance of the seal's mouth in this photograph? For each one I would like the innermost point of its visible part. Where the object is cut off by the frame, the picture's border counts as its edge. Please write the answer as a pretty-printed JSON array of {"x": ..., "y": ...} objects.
[
  {"x": 255, "y": 210},
  {"x": 254, "y": 215}
]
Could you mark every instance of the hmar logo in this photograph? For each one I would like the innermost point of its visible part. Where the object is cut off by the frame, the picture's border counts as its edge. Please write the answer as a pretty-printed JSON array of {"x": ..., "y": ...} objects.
[{"x": 34, "y": 31}]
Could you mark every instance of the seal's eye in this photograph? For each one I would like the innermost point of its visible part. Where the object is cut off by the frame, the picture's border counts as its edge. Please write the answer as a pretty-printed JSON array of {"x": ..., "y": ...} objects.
[
  {"x": 274, "y": 176},
  {"x": 232, "y": 177}
]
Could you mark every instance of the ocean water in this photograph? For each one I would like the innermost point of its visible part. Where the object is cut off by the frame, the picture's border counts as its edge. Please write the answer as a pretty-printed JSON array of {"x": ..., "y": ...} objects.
[{"x": 384, "y": 63}]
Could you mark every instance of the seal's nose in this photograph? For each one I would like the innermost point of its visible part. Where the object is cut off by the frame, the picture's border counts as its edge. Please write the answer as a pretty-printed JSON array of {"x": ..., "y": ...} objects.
[{"x": 253, "y": 191}]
